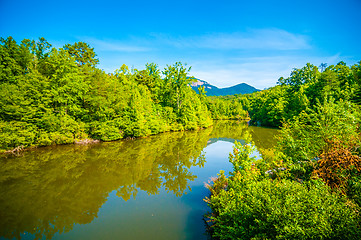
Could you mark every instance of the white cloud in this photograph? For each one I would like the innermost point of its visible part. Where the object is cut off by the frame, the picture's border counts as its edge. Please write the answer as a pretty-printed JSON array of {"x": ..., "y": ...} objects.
[
  {"x": 255, "y": 39},
  {"x": 258, "y": 57},
  {"x": 270, "y": 39}
]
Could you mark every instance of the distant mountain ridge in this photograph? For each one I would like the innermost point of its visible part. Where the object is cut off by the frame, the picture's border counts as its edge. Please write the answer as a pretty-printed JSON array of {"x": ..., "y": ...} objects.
[{"x": 242, "y": 88}]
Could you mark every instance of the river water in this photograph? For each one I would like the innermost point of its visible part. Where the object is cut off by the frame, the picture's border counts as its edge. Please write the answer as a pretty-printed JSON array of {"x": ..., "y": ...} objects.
[{"x": 147, "y": 188}]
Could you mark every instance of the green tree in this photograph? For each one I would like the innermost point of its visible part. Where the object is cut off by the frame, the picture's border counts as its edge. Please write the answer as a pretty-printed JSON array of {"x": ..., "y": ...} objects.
[
  {"x": 42, "y": 48},
  {"x": 177, "y": 82},
  {"x": 10, "y": 60},
  {"x": 83, "y": 54}
]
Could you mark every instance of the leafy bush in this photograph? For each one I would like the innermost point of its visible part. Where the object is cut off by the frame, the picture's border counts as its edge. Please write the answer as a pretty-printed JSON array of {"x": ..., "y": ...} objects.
[
  {"x": 337, "y": 165},
  {"x": 15, "y": 134},
  {"x": 250, "y": 205},
  {"x": 105, "y": 131},
  {"x": 340, "y": 168},
  {"x": 324, "y": 143},
  {"x": 44, "y": 139},
  {"x": 307, "y": 135},
  {"x": 281, "y": 209},
  {"x": 61, "y": 138}
]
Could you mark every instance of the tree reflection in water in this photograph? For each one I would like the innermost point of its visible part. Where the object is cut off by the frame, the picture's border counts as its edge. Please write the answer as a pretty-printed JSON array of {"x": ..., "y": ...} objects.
[{"x": 48, "y": 190}]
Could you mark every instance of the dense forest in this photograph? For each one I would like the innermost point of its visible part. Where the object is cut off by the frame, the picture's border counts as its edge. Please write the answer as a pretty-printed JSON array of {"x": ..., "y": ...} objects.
[
  {"x": 59, "y": 96},
  {"x": 309, "y": 186}
]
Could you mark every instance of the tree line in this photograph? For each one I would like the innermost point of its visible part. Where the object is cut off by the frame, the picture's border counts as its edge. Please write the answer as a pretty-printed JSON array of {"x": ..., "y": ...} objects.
[
  {"x": 303, "y": 90},
  {"x": 58, "y": 96}
]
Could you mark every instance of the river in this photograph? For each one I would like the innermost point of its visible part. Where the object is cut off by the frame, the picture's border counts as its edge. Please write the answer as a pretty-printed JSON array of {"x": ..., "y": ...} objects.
[{"x": 147, "y": 188}]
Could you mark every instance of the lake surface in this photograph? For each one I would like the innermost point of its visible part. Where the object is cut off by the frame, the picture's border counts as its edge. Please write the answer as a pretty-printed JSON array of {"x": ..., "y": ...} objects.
[{"x": 148, "y": 188}]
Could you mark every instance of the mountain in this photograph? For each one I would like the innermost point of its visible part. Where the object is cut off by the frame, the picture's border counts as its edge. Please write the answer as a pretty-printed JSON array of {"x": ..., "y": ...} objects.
[{"x": 242, "y": 88}]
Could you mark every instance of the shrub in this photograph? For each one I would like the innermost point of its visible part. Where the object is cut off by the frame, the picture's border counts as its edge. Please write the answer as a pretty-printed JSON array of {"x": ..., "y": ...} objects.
[
  {"x": 340, "y": 168},
  {"x": 15, "y": 134},
  {"x": 307, "y": 135},
  {"x": 281, "y": 209},
  {"x": 61, "y": 138},
  {"x": 105, "y": 131},
  {"x": 44, "y": 139},
  {"x": 249, "y": 205}
]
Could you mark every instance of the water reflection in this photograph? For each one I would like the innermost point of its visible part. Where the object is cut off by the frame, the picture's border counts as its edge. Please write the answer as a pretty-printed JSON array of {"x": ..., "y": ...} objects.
[
  {"x": 48, "y": 190},
  {"x": 235, "y": 130}
]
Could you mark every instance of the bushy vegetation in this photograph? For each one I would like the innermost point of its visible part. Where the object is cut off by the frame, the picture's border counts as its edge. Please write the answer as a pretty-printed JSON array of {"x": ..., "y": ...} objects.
[
  {"x": 56, "y": 96},
  {"x": 309, "y": 186},
  {"x": 303, "y": 90},
  {"x": 224, "y": 108}
]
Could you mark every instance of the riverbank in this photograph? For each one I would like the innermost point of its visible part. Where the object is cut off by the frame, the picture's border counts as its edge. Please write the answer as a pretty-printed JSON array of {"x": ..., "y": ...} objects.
[
  {"x": 47, "y": 142},
  {"x": 17, "y": 150}
]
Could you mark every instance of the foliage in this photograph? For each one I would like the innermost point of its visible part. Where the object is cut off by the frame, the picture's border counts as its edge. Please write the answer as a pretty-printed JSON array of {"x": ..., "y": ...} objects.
[
  {"x": 251, "y": 205},
  {"x": 268, "y": 107},
  {"x": 281, "y": 209},
  {"x": 225, "y": 108},
  {"x": 340, "y": 168},
  {"x": 324, "y": 143},
  {"x": 57, "y": 96},
  {"x": 15, "y": 134},
  {"x": 242, "y": 160},
  {"x": 302, "y": 90},
  {"x": 307, "y": 135},
  {"x": 83, "y": 53},
  {"x": 308, "y": 187}
]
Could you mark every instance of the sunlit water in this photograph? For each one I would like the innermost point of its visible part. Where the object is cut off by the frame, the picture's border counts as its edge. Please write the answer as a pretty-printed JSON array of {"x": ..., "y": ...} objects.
[{"x": 150, "y": 188}]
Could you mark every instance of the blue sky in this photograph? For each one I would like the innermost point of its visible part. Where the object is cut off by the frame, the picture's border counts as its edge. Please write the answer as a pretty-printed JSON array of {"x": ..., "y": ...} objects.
[{"x": 225, "y": 42}]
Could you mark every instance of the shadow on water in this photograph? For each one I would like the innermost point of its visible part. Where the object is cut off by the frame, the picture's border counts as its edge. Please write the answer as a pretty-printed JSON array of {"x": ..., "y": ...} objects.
[{"x": 49, "y": 190}]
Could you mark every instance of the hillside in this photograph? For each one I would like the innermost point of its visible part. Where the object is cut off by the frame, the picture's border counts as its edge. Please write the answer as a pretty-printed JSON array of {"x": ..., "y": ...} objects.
[{"x": 242, "y": 88}]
